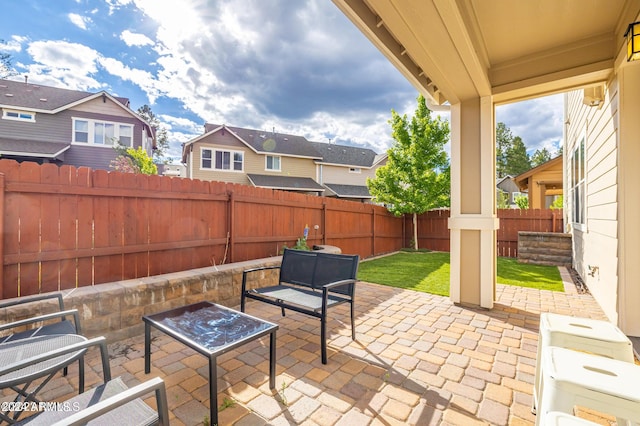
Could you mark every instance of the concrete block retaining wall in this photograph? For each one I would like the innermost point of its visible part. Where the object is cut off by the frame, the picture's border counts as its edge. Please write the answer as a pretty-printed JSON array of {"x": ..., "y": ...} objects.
[
  {"x": 115, "y": 310},
  {"x": 544, "y": 248}
]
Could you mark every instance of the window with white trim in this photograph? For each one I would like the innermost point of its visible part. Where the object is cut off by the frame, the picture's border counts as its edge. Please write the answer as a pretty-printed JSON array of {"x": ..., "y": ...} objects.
[
  {"x": 515, "y": 195},
  {"x": 206, "y": 159},
  {"x": 11, "y": 114},
  {"x": 578, "y": 184},
  {"x": 215, "y": 159},
  {"x": 272, "y": 163},
  {"x": 106, "y": 133}
]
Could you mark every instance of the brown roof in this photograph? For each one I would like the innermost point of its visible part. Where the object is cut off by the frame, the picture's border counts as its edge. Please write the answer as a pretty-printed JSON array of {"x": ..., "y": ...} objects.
[
  {"x": 31, "y": 148},
  {"x": 349, "y": 191},
  {"x": 19, "y": 94},
  {"x": 288, "y": 183}
]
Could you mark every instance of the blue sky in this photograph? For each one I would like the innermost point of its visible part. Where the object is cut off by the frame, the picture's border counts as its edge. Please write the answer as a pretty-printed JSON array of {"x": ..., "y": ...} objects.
[{"x": 293, "y": 66}]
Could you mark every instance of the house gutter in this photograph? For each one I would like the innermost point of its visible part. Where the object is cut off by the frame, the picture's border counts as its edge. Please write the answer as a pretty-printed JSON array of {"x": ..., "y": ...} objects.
[{"x": 435, "y": 107}]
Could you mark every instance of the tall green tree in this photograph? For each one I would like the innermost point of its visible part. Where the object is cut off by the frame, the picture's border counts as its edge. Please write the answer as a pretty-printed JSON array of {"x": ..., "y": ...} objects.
[
  {"x": 416, "y": 177},
  {"x": 162, "y": 140},
  {"x": 541, "y": 156},
  {"x": 518, "y": 160},
  {"x": 504, "y": 139}
]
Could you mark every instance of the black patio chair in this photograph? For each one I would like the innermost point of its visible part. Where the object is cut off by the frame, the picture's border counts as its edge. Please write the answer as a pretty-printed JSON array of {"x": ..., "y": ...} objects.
[
  {"x": 112, "y": 403},
  {"x": 44, "y": 324},
  {"x": 28, "y": 364}
]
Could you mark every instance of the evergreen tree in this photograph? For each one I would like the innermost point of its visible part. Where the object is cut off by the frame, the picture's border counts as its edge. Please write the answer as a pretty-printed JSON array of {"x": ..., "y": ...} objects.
[
  {"x": 162, "y": 140},
  {"x": 416, "y": 177},
  {"x": 518, "y": 160},
  {"x": 504, "y": 140},
  {"x": 541, "y": 156}
]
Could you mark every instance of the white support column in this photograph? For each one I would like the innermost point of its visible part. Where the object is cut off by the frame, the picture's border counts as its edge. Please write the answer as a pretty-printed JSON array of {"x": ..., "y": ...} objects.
[
  {"x": 629, "y": 202},
  {"x": 473, "y": 222}
]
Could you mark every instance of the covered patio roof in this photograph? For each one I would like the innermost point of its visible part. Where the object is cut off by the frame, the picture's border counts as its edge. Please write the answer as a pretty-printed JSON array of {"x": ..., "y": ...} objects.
[{"x": 453, "y": 50}]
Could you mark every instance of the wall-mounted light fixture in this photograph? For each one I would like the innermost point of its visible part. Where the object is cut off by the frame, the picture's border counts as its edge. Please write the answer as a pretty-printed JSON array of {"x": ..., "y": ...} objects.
[
  {"x": 633, "y": 41},
  {"x": 593, "y": 96}
]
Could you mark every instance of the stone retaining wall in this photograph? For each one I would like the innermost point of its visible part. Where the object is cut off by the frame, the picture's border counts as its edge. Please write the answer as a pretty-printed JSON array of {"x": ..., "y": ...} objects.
[
  {"x": 115, "y": 310},
  {"x": 544, "y": 248}
]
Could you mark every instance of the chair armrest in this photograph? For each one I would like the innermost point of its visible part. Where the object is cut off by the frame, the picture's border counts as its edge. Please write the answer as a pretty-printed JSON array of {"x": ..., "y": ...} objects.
[
  {"x": 261, "y": 268},
  {"x": 248, "y": 271},
  {"x": 72, "y": 312},
  {"x": 31, "y": 299},
  {"x": 97, "y": 341},
  {"x": 329, "y": 286},
  {"x": 156, "y": 384}
]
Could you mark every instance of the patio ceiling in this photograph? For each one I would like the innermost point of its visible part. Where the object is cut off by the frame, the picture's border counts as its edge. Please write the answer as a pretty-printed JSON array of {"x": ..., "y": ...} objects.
[{"x": 453, "y": 50}]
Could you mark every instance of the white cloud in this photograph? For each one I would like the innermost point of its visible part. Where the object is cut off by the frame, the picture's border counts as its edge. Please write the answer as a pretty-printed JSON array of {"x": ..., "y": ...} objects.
[
  {"x": 79, "y": 20},
  {"x": 13, "y": 45},
  {"x": 141, "y": 78},
  {"x": 63, "y": 64},
  {"x": 135, "y": 39},
  {"x": 117, "y": 4},
  {"x": 538, "y": 122}
]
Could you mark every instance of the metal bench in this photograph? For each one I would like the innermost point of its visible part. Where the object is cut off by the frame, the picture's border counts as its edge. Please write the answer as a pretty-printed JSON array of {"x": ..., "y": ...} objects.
[{"x": 310, "y": 283}]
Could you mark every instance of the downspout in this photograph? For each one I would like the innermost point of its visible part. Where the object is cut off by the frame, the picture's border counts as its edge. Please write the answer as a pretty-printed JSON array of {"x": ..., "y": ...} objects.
[{"x": 434, "y": 107}]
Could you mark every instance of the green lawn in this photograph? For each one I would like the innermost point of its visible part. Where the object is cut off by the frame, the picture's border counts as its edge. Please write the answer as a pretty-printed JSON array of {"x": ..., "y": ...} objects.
[{"x": 429, "y": 272}]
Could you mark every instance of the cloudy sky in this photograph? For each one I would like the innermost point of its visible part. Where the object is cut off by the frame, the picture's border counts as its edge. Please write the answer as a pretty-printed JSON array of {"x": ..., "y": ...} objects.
[{"x": 298, "y": 67}]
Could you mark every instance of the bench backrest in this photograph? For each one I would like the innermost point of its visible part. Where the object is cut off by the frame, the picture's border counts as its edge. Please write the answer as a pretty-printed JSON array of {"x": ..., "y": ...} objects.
[{"x": 315, "y": 269}]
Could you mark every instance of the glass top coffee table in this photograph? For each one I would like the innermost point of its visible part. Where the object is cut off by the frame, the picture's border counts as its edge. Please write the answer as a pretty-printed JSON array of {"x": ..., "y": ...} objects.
[{"x": 210, "y": 330}]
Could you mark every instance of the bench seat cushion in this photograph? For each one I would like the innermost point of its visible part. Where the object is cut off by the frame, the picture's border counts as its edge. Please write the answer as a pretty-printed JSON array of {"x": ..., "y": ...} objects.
[{"x": 298, "y": 296}]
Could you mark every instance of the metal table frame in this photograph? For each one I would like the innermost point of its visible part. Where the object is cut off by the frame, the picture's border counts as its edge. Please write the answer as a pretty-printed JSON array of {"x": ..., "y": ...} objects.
[{"x": 154, "y": 320}]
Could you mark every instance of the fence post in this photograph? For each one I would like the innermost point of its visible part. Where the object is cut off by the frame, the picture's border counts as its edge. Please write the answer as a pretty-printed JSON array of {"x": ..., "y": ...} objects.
[
  {"x": 2, "y": 212},
  {"x": 231, "y": 203},
  {"x": 324, "y": 223},
  {"x": 373, "y": 231}
]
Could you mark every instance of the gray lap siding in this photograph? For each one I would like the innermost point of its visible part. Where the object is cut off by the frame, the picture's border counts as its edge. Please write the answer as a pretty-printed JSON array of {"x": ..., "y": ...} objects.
[{"x": 59, "y": 128}]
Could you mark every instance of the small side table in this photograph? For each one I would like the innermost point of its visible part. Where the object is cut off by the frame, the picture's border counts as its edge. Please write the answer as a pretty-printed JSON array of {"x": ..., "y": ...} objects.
[{"x": 210, "y": 330}]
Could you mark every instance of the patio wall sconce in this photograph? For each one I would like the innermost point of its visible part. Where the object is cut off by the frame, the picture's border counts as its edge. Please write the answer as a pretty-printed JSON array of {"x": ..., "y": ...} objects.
[{"x": 633, "y": 41}]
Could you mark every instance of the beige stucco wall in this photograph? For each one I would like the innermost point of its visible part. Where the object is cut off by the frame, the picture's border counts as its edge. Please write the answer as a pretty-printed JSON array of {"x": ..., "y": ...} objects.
[
  {"x": 253, "y": 162},
  {"x": 596, "y": 242}
]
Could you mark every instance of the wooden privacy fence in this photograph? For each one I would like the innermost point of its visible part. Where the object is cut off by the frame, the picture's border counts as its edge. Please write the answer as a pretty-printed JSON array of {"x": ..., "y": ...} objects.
[
  {"x": 433, "y": 233},
  {"x": 534, "y": 220},
  {"x": 66, "y": 227}
]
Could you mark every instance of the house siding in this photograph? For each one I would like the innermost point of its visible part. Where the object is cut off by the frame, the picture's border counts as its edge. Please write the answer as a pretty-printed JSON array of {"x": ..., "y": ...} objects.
[
  {"x": 341, "y": 175},
  {"x": 596, "y": 243},
  {"x": 59, "y": 128},
  {"x": 55, "y": 128},
  {"x": 253, "y": 162},
  {"x": 94, "y": 157}
]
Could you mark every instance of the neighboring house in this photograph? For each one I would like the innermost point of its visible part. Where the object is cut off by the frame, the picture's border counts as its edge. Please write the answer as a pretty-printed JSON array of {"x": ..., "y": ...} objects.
[
  {"x": 543, "y": 183},
  {"x": 52, "y": 125},
  {"x": 507, "y": 186},
  {"x": 279, "y": 161},
  {"x": 344, "y": 170}
]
